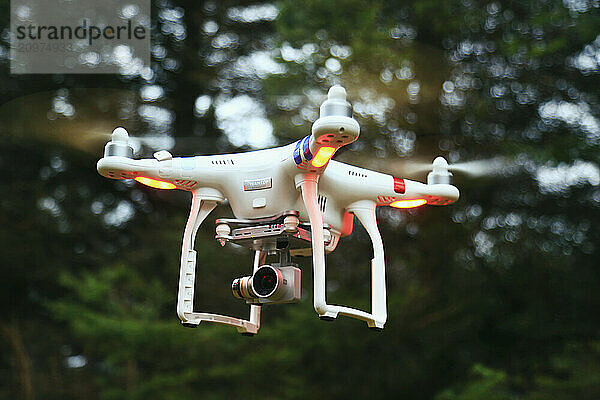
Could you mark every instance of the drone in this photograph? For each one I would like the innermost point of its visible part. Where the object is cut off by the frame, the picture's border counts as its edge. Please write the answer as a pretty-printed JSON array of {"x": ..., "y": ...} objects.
[{"x": 287, "y": 201}]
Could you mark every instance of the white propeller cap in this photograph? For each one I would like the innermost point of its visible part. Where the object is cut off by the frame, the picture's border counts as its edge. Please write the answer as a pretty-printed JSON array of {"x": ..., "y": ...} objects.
[
  {"x": 119, "y": 144},
  {"x": 120, "y": 135},
  {"x": 440, "y": 164},
  {"x": 336, "y": 92},
  {"x": 336, "y": 103},
  {"x": 439, "y": 173}
]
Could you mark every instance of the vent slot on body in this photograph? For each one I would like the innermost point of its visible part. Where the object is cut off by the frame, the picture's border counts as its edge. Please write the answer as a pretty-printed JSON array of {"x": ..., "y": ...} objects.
[
  {"x": 228, "y": 161},
  {"x": 185, "y": 183},
  {"x": 322, "y": 200},
  {"x": 357, "y": 174}
]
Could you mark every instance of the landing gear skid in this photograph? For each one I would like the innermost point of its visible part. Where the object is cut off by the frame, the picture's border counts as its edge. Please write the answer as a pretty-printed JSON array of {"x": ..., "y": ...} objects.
[{"x": 365, "y": 211}]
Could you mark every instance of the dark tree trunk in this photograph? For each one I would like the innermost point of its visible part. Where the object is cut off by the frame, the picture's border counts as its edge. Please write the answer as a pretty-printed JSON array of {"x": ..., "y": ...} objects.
[{"x": 22, "y": 361}]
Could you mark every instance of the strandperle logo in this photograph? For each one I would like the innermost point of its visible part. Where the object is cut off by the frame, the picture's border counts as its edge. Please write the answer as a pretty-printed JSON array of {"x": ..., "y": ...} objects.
[
  {"x": 80, "y": 36},
  {"x": 90, "y": 33}
]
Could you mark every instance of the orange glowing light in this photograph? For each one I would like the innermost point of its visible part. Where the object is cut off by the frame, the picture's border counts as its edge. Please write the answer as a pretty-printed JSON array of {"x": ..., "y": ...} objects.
[
  {"x": 408, "y": 203},
  {"x": 323, "y": 156},
  {"x": 155, "y": 183}
]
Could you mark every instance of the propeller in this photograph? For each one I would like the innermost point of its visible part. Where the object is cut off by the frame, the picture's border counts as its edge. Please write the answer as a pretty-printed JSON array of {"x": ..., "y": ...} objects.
[
  {"x": 474, "y": 168},
  {"x": 84, "y": 119},
  {"x": 155, "y": 142},
  {"x": 418, "y": 168}
]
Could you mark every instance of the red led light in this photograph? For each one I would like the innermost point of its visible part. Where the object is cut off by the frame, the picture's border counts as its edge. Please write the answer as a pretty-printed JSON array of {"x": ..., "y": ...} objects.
[
  {"x": 323, "y": 156},
  {"x": 155, "y": 183},
  {"x": 408, "y": 203}
]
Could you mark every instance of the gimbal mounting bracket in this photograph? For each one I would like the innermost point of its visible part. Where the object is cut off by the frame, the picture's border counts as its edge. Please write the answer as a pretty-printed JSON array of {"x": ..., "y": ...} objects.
[{"x": 272, "y": 234}]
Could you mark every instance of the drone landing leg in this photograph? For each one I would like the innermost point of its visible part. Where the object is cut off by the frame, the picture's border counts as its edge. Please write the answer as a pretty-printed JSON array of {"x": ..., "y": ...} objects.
[
  {"x": 201, "y": 207},
  {"x": 308, "y": 184},
  {"x": 365, "y": 211},
  {"x": 259, "y": 259},
  {"x": 309, "y": 187}
]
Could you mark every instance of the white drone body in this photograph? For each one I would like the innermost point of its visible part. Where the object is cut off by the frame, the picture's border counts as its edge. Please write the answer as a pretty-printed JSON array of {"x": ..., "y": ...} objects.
[{"x": 292, "y": 200}]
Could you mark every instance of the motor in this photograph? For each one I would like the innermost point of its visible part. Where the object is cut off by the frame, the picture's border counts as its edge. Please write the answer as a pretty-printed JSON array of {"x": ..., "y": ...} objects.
[
  {"x": 119, "y": 144},
  {"x": 440, "y": 173}
]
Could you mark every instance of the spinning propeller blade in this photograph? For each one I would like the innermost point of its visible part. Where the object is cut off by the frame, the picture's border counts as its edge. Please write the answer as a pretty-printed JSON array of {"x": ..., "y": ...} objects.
[
  {"x": 417, "y": 168},
  {"x": 474, "y": 168}
]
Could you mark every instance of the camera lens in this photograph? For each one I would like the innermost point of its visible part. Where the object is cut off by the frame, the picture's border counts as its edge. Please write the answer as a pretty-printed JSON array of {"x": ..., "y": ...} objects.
[
  {"x": 264, "y": 281},
  {"x": 241, "y": 289},
  {"x": 236, "y": 288}
]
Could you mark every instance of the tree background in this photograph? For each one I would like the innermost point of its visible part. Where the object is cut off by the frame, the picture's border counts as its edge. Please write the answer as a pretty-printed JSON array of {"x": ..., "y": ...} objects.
[{"x": 494, "y": 297}]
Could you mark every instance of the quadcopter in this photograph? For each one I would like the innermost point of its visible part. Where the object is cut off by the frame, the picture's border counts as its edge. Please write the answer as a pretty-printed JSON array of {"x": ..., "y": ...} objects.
[{"x": 287, "y": 201}]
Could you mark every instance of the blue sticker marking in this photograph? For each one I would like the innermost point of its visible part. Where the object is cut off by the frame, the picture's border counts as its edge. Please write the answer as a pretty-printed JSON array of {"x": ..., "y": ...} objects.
[
  {"x": 297, "y": 157},
  {"x": 306, "y": 149}
]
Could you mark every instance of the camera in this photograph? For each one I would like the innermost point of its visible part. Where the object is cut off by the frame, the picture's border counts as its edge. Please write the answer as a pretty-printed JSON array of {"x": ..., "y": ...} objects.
[{"x": 269, "y": 284}]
